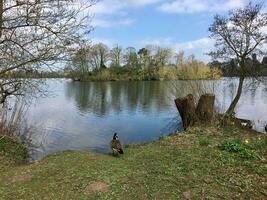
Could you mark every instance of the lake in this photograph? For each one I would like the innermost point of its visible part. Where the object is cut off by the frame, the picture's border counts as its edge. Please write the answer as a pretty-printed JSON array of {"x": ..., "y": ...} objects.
[{"x": 84, "y": 115}]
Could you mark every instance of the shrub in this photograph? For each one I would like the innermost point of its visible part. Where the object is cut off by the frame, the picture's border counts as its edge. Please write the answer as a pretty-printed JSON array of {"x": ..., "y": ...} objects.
[
  {"x": 103, "y": 75},
  {"x": 13, "y": 149},
  {"x": 232, "y": 146},
  {"x": 167, "y": 73},
  {"x": 191, "y": 70},
  {"x": 235, "y": 146}
]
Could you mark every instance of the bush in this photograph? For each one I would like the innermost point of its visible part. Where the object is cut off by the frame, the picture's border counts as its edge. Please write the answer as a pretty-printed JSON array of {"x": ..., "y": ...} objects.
[
  {"x": 235, "y": 146},
  {"x": 191, "y": 70},
  {"x": 103, "y": 75},
  {"x": 167, "y": 73},
  {"x": 232, "y": 146},
  {"x": 12, "y": 149}
]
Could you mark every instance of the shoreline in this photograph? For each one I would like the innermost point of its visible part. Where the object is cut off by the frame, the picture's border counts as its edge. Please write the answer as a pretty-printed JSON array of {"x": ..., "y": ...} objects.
[
  {"x": 26, "y": 161},
  {"x": 201, "y": 158}
]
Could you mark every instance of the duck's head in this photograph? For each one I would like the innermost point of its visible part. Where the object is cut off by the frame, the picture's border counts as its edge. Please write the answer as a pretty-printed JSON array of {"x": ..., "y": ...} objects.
[{"x": 115, "y": 136}]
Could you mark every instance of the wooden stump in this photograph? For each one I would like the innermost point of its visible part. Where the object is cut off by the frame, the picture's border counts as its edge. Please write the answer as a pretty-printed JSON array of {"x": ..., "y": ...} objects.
[
  {"x": 205, "y": 107},
  {"x": 186, "y": 107}
]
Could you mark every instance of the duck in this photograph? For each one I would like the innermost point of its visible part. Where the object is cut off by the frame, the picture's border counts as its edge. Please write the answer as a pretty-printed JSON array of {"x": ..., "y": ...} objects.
[{"x": 115, "y": 145}]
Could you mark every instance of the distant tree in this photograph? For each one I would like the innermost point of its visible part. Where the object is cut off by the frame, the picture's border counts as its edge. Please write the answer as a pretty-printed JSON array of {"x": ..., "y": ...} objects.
[
  {"x": 130, "y": 58},
  {"x": 81, "y": 62},
  {"x": 34, "y": 34},
  {"x": 99, "y": 55},
  {"x": 144, "y": 55},
  {"x": 179, "y": 59},
  {"x": 116, "y": 56},
  {"x": 238, "y": 36},
  {"x": 162, "y": 56}
]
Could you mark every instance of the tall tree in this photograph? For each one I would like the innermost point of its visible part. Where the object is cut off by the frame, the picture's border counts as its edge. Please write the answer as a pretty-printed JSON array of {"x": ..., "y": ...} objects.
[
  {"x": 34, "y": 34},
  {"x": 100, "y": 53},
  {"x": 162, "y": 56},
  {"x": 81, "y": 62},
  {"x": 130, "y": 58},
  {"x": 238, "y": 36},
  {"x": 116, "y": 56},
  {"x": 179, "y": 59},
  {"x": 144, "y": 56}
]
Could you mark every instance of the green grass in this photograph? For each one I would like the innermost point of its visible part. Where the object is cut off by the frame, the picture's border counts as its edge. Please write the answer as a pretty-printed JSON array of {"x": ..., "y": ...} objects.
[
  {"x": 192, "y": 162},
  {"x": 204, "y": 141},
  {"x": 240, "y": 148},
  {"x": 11, "y": 152}
]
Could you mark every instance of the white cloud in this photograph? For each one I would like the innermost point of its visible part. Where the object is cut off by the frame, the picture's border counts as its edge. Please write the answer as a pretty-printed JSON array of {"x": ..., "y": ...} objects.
[
  {"x": 118, "y": 6},
  {"x": 115, "y": 8},
  {"x": 137, "y": 3},
  {"x": 199, "y": 47},
  {"x": 106, "y": 7},
  {"x": 203, "y": 43},
  {"x": 106, "y": 41},
  {"x": 107, "y": 23},
  {"x": 194, "y": 6},
  {"x": 157, "y": 41}
]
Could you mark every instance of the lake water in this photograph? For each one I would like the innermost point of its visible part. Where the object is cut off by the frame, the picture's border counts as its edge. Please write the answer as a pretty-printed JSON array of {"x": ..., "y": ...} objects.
[{"x": 84, "y": 116}]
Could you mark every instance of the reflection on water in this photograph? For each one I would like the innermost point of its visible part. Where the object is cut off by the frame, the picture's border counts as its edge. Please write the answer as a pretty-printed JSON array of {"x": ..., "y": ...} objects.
[
  {"x": 83, "y": 116},
  {"x": 118, "y": 97}
]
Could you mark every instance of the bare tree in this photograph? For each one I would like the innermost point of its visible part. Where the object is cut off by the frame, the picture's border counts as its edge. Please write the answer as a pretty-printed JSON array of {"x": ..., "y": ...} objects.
[
  {"x": 116, "y": 56},
  {"x": 179, "y": 59},
  {"x": 34, "y": 34},
  {"x": 238, "y": 36},
  {"x": 81, "y": 62},
  {"x": 99, "y": 53},
  {"x": 162, "y": 56},
  {"x": 130, "y": 58},
  {"x": 143, "y": 57}
]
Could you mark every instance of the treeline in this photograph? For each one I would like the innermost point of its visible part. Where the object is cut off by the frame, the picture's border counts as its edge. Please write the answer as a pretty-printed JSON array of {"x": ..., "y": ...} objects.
[
  {"x": 253, "y": 67},
  {"x": 99, "y": 62},
  {"x": 20, "y": 74}
]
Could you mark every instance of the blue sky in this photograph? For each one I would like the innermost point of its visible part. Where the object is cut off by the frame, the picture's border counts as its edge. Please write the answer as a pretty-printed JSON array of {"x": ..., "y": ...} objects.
[{"x": 178, "y": 24}]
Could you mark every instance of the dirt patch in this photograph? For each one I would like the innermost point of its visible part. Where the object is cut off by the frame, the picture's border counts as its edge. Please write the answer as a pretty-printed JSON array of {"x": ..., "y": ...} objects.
[
  {"x": 128, "y": 181},
  {"x": 96, "y": 187},
  {"x": 20, "y": 178},
  {"x": 187, "y": 195},
  {"x": 125, "y": 179},
  {"x": 141, "y": 173}
]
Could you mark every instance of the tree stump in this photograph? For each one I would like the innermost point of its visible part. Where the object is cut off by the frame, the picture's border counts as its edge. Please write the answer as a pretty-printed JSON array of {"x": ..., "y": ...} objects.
[
  {"x": 186, "y": 107},
  {"x": 205, "y": 107}
]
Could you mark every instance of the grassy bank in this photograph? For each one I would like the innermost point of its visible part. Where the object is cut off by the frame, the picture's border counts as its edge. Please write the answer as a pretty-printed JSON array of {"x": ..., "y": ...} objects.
[{"x": 204, "y": 162}]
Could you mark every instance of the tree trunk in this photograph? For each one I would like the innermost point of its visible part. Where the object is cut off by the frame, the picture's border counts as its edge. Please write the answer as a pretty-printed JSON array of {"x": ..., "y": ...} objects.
[
  {"x": 186, "y": 108},
  {"x": 232, "y": 106},
  {"x": 205, "y": 107}
]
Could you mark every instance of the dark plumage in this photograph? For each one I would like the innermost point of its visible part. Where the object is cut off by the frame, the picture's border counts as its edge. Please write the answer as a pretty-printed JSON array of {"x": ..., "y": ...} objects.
[{"x": 115, "y": 145}]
